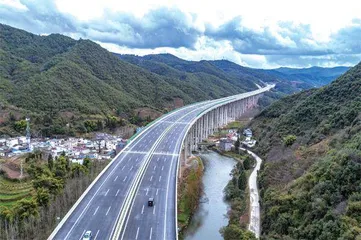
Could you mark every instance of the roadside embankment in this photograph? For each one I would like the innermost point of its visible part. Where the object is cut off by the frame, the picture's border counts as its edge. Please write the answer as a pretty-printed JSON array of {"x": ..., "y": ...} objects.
[
  {"x": 255, "y": 219},
  {"x": 189, "y": 192}
]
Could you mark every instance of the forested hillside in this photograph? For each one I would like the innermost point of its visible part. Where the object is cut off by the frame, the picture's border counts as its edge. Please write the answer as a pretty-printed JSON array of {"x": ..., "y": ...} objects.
[
  {"x": 289, "y": 80},
  {"x": 212, "y": 72},
  {"x": 315, "y": 76},
  {"x": 38, "y": 73},
  {"x": 311, "y": 179},
  {"x": 59, "y": 81}
]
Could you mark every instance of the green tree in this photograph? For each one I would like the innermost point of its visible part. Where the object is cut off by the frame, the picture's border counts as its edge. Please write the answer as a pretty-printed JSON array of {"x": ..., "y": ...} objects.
[
  {"x": 237, "y": 144},
  {"x": 289, "y": 140},
  {"x": 50, "y": 162},
  {"x": 242, "y": 180},
  {"x": 111, "y": 122},
  {"x": 26, "y": 208},
  {"x": 78, "y": 170},
  {"x": 20, "y": 126},
  {"x": 52, "y": 184},
  {"x": 247, "y": 162},
  {"x": 235, "y": 232},
  {"x": 100, "y": 125},
  {"x": 42, "y": 196},
  {"x": 61, "y": 166},
  {"x": 86, "y": 162},
  {"x": 12, "y": 117}
]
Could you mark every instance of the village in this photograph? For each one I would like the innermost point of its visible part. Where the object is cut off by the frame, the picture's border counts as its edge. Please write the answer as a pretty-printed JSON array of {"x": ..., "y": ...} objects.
[
  {"x": 102, "y": 147},
  {"x": 226, "y": 144}
]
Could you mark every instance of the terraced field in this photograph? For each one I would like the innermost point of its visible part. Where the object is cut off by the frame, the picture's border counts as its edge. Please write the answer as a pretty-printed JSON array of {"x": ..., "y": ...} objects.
[{"x": 12, "y": 191}]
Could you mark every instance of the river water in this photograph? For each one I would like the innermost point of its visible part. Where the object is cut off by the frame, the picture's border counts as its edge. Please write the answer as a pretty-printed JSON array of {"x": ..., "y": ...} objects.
[{"x": 211, "y": 214}]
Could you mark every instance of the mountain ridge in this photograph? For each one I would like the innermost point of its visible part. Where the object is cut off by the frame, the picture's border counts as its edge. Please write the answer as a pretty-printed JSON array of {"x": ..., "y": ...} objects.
[
  {"x": 44, "y": 76},
  {"x": 311, "y": 144},
  {"x": 289, "y": 81}
]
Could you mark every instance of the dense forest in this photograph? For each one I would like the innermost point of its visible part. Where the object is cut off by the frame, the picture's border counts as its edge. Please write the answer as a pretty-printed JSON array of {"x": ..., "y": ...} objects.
[
  {"x": 56, "y": 186},
  {"x": 311, "y": 180},
  {"x": 58, "y": 81},
  {"x": 231, "y": 74},
  {"x": 69, "y": 86}
]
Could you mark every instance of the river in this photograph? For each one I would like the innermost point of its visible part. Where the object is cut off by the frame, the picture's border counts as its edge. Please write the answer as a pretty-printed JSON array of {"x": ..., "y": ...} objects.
[{"x": 211, "y": 214}]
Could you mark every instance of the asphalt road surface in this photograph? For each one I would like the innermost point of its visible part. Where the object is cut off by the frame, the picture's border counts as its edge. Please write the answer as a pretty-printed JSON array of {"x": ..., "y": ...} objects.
[{"x": 156, "y": 151}]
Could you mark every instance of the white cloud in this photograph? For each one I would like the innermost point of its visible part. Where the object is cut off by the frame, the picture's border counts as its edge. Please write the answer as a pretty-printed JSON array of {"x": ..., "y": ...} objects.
[
  {"x": 13, "y": 3},
  {"x": 257, "y": 33}
]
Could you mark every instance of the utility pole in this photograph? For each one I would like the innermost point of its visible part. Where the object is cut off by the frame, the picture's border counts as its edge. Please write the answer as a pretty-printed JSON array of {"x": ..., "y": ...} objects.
[{"x": 28, "y": 134}]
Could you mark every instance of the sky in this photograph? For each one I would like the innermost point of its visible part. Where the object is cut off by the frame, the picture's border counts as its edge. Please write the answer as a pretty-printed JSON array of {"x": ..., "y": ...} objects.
[{"x": 253, "y": 33}]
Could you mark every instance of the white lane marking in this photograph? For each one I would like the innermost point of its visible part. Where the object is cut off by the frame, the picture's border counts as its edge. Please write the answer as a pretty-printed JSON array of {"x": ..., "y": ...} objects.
[
  {"x": 131, "y": 168},
  {"x": 136, "y": 236},
  {"x": 157, "y": 159},
  {"x": 143, "y": 209},
  {"x": 125, "y": 178},
  {"x": 154, "y": 210},
  {"x": 108, "y": 210},
  {"x": 115, "y": 179},
  {"x": 123, "y": 167},
  {"x": 150, "y": 235},
  {"x": 81, "y": 237},
  {"x": 157, "y": 191},
  {"x": 166, "y": 200},
  {"x": 126, "y": 221},
  {"x": 107, "y": 192},
  {"x": 96, "y": 235},
  {"x": 96, "y": 192},
  {"x": 151, "y": 178},
  {"x": 95, "y": 211},
  {"x": 162, "y": 168},
  {"x": 147, "y": 192},
  {"x": 155, "y": 167},
  {"x": 117, "y": 193},
  {"x": 160, "y": 178},
  {"x": 164, "y": 159}
]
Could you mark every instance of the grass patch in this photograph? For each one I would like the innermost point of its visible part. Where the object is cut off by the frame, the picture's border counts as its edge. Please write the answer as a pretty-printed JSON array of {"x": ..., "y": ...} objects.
[
  {"x": 12, "y": 191},
  {"x": 234, "y": 125}
]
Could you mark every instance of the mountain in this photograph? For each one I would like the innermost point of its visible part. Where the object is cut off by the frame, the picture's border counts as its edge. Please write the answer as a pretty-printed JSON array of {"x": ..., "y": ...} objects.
[
  {"x": 57, "y": 80},
  {"x": 311, "y": 178},
  {"x": 55, "y": 72},
  {"x": 288, "y": 80},
  {"x": 212, "y": 72},
  {"x": 196, "y": 73},
  {"x": 60, "y": 82},
  {"x": 283, "y": 84},
  {"x": 315, "y": 76}
]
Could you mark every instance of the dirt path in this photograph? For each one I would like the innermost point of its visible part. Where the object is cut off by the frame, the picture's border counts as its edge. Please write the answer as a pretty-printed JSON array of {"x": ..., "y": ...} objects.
[{"x": 255, "y": 218}]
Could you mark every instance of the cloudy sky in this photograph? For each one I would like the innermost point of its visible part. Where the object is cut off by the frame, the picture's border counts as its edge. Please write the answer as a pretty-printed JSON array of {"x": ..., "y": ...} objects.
[{"x": 254, "y": 33}]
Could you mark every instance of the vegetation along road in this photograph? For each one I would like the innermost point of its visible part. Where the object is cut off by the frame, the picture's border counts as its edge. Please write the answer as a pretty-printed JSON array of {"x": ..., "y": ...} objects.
[{"x": 254, "y": 224}]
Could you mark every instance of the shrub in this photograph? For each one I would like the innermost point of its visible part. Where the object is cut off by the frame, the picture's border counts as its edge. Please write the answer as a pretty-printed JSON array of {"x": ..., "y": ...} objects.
[{"x": 289, "y": 140}]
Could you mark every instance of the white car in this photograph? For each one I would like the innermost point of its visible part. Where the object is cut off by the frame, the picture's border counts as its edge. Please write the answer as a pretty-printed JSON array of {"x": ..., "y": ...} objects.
[{"x": 87, "y": 235}]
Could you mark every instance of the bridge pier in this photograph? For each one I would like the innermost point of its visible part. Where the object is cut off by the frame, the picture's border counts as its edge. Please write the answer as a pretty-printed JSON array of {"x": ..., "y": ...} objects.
[{"x": 212, "y": 120}]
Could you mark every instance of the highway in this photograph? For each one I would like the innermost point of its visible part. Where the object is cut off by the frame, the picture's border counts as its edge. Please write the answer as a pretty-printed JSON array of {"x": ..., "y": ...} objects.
[{"x": 114, "y": 205}]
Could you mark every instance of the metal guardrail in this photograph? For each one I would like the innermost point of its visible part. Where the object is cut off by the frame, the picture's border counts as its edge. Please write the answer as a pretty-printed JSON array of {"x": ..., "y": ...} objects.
[
  {"x": 219, "y": 104},
  {"x": 140, "y": 172}
]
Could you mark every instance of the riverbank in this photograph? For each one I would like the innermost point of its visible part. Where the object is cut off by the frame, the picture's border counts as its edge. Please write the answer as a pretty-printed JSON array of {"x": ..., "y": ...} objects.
[
  {"x": 255, "y": 219},
  {"x": 189, "y": 193},
  {"x": 238, "y": 194},
  {"x": 211, "y": 213}
]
